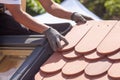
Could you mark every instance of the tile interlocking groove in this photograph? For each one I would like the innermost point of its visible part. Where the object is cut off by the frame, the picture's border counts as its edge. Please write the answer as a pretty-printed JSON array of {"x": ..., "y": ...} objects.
[{"x": 92, "y": 54}]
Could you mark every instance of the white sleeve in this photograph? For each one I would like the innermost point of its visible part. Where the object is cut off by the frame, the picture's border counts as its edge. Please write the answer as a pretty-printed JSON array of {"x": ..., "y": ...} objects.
[{"x": 10, "y": 1}]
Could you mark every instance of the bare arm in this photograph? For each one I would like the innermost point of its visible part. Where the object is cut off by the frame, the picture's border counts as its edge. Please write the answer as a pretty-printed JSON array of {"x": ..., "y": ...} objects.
[
  {"x": 25, "y": 19},
  {"x": 55, "y": 9}
]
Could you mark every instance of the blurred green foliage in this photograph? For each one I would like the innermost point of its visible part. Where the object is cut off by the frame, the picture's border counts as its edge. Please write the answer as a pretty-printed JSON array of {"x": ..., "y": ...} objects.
[
  {"x": 113, "y": 8},
  {"x": 34, "y": 7},
  {"x": 106, "y": 9}
]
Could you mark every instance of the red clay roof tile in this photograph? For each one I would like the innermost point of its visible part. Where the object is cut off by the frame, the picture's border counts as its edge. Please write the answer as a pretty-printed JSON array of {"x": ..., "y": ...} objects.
[
  {"x": 98, "y": 67},
  {"x": 93, "y": 56},
  {"x": 94, "y": 36},
  {"x": 40, "y": 75},
  {"x": 71, "y": 54},
  {"x": 54, "y": 64},
  {"x": 76, "y": 34},
  {"x": 114, "y": 70},
  {"x": 74, "y": 67},
  {"x": 115, "y": 56},
  {"x": 100, "y": 40},
  {"x": 111, "y": 43},
  {"x": 56, "y": 76}
]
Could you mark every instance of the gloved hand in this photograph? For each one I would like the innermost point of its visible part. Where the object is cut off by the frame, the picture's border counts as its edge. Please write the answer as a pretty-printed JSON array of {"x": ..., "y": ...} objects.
[
  {"x": 77, "y": 17},
  {"x": 54, "y": 39}
]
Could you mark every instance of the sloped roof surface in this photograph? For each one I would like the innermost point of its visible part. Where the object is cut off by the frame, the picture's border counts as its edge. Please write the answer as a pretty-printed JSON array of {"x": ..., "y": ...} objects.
[{"x": 92, "y": 54}]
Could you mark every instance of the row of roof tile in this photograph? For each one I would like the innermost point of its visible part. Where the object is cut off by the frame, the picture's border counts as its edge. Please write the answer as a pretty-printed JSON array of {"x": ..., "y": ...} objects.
[{"x": 92, "y": 54}]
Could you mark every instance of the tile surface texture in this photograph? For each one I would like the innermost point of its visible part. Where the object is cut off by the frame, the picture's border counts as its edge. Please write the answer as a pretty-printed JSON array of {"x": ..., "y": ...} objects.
[{"x": 93, "y": 53}]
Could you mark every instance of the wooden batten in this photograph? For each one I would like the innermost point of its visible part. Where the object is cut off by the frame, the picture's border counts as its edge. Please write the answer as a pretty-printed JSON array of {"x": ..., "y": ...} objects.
[{"x": 16, "y": 52}]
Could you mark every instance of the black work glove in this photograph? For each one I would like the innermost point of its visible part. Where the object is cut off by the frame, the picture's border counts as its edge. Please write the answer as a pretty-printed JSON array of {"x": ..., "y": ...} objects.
[
  {"x": 54, "y": 39},
  {"x": 77, "y": 17}
]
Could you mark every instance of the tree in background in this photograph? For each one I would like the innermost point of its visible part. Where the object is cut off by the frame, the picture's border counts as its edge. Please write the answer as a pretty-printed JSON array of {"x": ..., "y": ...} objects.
[
  {"x": 34, "y": 7},
  {"x": 106, "y": 9},
  {"x": 113, "y": 9}
]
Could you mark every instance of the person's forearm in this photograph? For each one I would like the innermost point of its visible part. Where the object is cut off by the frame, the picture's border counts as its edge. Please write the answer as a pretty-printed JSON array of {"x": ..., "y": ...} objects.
[
  {"x": 58, "y": 11},
  {"x": 28, "y": 21},
  {"x": 55, "y": 9}
]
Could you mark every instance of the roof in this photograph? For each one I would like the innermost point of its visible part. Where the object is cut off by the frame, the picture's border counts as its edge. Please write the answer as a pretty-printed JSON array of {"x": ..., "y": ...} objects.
[
  {"x": 92, "y": 54},
  {"x": 71, "y": 5}
]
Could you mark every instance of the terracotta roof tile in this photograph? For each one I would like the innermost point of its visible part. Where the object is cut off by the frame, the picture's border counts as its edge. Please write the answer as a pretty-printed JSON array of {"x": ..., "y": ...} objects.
[
  {"x": 115, "y": 56},
  {"x": 114, "y": 70},
  {"x": 54, "y": 64},
  {"x": 71, "y": 54},
  {"x": 40, "y": 75},
  {"x": 74, "y": 67},
  {"x": 77, "y": 34},
  {"x": 94, "y": 70},
  {"x": 111, "y": 43},
  {"x": 94, "y": 36},
  {"x": 92, "y": 54}
]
